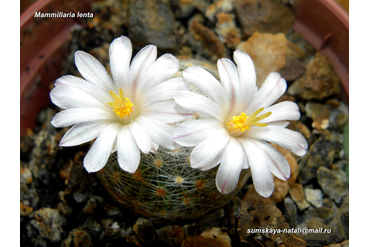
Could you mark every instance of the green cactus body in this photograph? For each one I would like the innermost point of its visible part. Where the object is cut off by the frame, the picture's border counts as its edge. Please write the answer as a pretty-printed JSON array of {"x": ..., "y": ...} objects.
[{"x": 165, "y": 186}]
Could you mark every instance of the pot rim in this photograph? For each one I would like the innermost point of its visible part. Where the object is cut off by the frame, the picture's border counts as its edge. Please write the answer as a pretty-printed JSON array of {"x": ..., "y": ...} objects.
[{"x": 328, "y": 33}]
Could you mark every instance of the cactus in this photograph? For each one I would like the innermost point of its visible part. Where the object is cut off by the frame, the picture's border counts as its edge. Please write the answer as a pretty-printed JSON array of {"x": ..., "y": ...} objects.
[{"x": 165, "y": 186}]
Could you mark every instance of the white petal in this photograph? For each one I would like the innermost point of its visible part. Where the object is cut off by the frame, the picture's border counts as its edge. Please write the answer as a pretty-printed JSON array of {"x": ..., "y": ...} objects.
[
  {"x": 200, "y": 104},
  {"x": 279, "y": 166},
  {"x": 66, "y": 96},
  {"x": 247, "y": 77},
  {"x": 261, "y": 174},
  {"x": 82, "y": 133},
  {"x": 154, "y": 147},
  {"x": 73, "y": 116},
  {"x": 207, "y": 150},
  {"x": 98, "y": 155},
  {"x": 128, "y": 153},
  {"x": 286, "y": 138},
  {"x": 191, "y": 133},
  {"x": 270, "y": 91},
  {"x": 245, "y": 160},
  {"x": 213, "y": 162},
  {"x": 229, "y": 78},
  {"x": 282, "y": 111},
  {"x": 120, "y": 52},
  {"x": 161, "y": 70},
  {"x": 228, "y": 173},
  {"x": 143, "y": 141},
  {"x": 207, "y": 83},
  {"x": 164, "y": 91},
  {"x": 166, "y": 112},
  {"x": 140, "y": 63},
  {"x": 92, "y": 70},
  {"x": 159, "y": 132},
  {"x": 85, "y": 86},
  {"x": 281, "y": 124}
]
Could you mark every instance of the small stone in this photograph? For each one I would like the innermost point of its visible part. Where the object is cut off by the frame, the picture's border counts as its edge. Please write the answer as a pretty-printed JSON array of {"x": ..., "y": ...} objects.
[
  {"x": 314, "y": 197},
  {"x": 49, "y": 223},
  {"x": 199, "y": 241},
  {"x": 186, "y": 7},
  {"x": 320, "y": 115},
  {"x": 227, "y": 31},
  {"x": 339, "y": 114},
  {"x": 295, "y": 51},
  {"x": 92, "y": 226},
  {"x": 152, "y": 22},
  {"x": 344, "y": 207},
  {"x": 268, "y": 52},
  {"x": 144, "y": 229},
  {"x": 77, "y": 238},
  {"x": 345, "y": 243},
  {"x": 291, "y": 211},
  {"x": 333, "y": 182},
  {"x": 258, "y": 212},
  {"x": 280, "y": 191},
  {"x": 208, "y": 39},
  {"x": 79, "y": 196},
  {"x": 172, "y": 235},
  {"x": 214, "y": 237},
  {"x": 111, "y": 211},
  {"x": 64, "y": 208},
  {"x": 219, "y": 6},
  {"x": 263, "y": 16},
  {"x": 73, "y": 172},
  {"x": 112, "y": 228},
  {"x": 319, "y": 82},
  {"x": 27, "y": 143},
  {"x": 321, "y": 153},
  {"x": 293, "y": 69},
  {"x": 25, "y": 174},
  {"x": 329, "y": 218},
  {"x": 299, "y": 48},
  {"x": 90, "y": 206},
  {"x": 297, "y": 194},
  {"x": 216, "y": 232},
  {"x": 211, "y": 12},
  {"x": 25, "y": 210}
]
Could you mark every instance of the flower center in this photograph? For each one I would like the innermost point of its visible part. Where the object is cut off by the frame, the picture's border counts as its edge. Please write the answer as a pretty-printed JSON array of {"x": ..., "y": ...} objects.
[
  {"x": 121, "y": 106},
  {"x": 239, "y": 124}
]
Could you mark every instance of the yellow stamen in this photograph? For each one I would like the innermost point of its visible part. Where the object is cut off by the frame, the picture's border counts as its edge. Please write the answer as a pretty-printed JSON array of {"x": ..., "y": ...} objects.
[
  {"x": 239, "y": 124},
  {"x": 121, "y": 105}
]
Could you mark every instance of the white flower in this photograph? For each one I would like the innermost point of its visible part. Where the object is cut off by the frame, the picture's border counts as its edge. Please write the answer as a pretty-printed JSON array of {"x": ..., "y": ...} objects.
[
  {"x": 238, "y": 123},
  {"x": 127, "y": 114}
]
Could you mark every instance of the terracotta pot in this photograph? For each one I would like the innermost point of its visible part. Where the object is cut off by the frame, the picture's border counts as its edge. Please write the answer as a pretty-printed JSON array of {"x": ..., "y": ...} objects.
[
  {"x": 326, "y": 26},
  {"x": 44, "y": 44}
]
